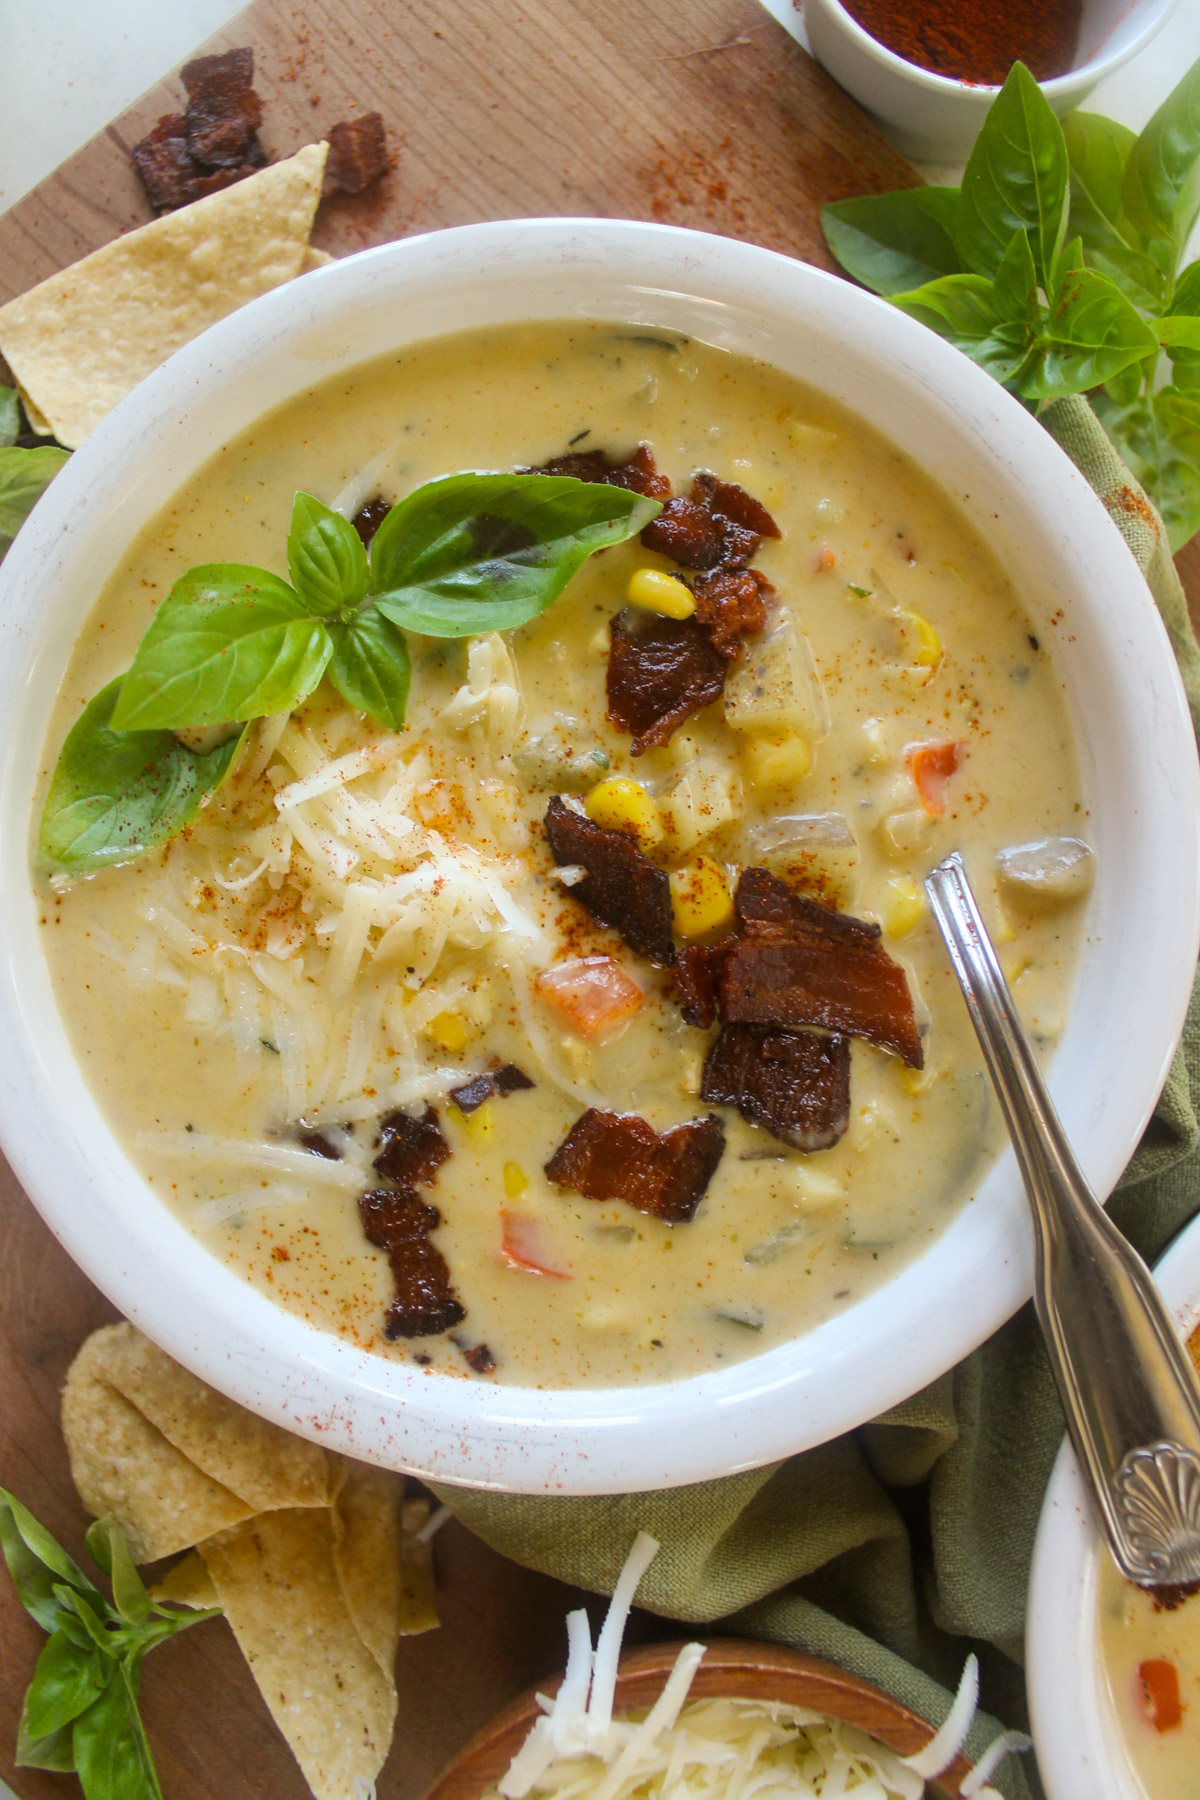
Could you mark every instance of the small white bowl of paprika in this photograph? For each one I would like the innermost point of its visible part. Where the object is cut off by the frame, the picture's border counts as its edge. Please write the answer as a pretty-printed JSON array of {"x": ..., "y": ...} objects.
[{"x": 927, "y": 70}]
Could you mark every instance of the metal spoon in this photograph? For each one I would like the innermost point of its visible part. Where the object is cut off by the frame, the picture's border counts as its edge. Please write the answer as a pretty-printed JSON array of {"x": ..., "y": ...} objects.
[{"x": 1127, "y": 1387}]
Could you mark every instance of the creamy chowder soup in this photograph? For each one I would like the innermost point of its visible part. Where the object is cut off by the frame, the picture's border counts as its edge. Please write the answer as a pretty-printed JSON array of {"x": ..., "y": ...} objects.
[
  {"x": 1150, "y": 1645},
  {"x": 363, "y": 923}
]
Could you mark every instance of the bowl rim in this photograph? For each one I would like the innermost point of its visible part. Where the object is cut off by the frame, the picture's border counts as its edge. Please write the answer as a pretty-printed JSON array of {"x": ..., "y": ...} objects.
[
  {"x": 817, "y": 1385},
  {"x": 1079, "y": 1749},
  {"x": 1087, "y": 75},
  {"x": 789, "y": 1676}
]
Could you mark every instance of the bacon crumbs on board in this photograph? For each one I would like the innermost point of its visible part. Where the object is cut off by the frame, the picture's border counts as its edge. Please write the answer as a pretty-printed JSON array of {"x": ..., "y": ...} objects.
[
  {"x": 399, "y": 1222},
  {"x": 620, "y": 1156},
  {"x": 213, "y": 142},
  {"x": 621, "y": 888},
  {"x": 358, "y": 155}
]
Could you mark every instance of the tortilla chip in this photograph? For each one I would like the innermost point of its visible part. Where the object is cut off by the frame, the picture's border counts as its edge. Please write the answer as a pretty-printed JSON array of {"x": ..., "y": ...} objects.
[
  {"x": 261, "y": 1464},
  {"x": 187, "y": 1583},
  {"x": 80, "y": 341},
  {"x": 418, "y": 1591},
  {"x": 122, "y": 1465},
  {"x": 277, "y": 1579},
  {"x": 315, "y": 259}
]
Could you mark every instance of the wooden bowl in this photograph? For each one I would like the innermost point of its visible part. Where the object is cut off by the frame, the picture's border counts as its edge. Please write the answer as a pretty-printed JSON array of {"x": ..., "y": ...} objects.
[{"x": 731, "y": 1666}]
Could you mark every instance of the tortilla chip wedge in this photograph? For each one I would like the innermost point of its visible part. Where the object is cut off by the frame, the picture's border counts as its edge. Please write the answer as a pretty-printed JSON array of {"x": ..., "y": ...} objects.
[{"x": 78, "y": 342}]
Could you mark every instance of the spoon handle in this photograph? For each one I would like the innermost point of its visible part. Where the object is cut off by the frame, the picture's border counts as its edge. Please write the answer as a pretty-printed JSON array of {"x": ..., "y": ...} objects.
[{"x": 1130, "y": 1397}]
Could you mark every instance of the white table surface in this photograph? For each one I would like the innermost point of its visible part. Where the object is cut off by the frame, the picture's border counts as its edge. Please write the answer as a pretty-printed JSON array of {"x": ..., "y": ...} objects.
[{"x": 69, "y": 66}]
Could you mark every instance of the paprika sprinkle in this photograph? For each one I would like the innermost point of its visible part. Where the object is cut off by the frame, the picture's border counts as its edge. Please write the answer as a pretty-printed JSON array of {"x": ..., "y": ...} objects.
[{"x": 975, "y": 40}]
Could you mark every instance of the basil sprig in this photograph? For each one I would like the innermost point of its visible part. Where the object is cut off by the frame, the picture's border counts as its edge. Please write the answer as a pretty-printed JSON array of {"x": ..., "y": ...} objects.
[
  {"x": 80, "y": 1711},
  {"x": 463, "y": 555},
  {"x": 1056, "y": 267},
  {"x": 24, "y": 474}
]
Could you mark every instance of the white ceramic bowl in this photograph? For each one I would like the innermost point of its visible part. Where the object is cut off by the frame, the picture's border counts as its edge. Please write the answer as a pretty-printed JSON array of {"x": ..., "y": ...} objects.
[
  {"x": 1080, "y": 1751},
  {"x": 1138, "y": 768},
  {"x": 937, "y": 119}
]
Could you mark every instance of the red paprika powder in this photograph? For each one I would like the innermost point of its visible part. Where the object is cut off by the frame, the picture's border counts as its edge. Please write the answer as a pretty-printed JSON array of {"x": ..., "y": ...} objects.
[{"x": 975, "y": 40}]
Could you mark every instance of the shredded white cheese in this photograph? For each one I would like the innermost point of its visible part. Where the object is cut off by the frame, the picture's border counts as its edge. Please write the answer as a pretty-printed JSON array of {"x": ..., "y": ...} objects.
[{"x": 716, "y": 1749}]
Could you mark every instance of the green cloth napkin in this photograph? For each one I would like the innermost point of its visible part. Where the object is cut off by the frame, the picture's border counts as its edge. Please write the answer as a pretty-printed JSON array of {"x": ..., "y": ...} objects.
[{"x": 897, "y": 1549}]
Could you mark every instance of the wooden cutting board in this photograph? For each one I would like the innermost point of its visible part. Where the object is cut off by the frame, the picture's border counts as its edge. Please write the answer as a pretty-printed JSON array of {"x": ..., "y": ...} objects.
[{"x": 696, "y": 112}]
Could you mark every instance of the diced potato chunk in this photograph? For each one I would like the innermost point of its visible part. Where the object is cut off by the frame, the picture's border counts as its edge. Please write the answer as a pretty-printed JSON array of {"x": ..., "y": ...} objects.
[
  {"x": 775, "y": 686},
  {"x": 1049, "y": 871},
  {"x": 903, "y": 834},
  {"x": 777, "y": 760},
  {"x": 700, "y": 800},
  {"x": 816, "y": 852}
]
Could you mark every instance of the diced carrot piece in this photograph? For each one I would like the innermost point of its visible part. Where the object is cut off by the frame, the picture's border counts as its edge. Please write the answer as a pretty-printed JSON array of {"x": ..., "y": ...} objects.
[
  {"x": 592, "y": 993},
  {"x": 1160, "y": 1693},
  {"x": 931, "y": 766},
  {"x": 824, "y": 560},
  {"x": 522, "y": 1246}
]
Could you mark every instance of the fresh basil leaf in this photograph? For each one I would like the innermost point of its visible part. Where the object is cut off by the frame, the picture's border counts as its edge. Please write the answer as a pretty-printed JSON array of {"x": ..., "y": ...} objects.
[
  {"x": 109, "y": 1551},
  {"x": 962, "y": 309},
  {"x": 112, "y": 1757},
  {"x": 1177, "y": 330},
  {"x": 1097, "y": 151},
  {"x": 1093, "y": 332},
  {"x": 1015, "y": 180},
  {"x": 1186, "y": 298},
  {"x": 37, "y": 1563},
  {"x": 370, "y": 666},
  {"x": 475, "y": 553},
  {"x": 1125, "y": 387},
  {"x": 229, "y": 642},
  {"x": 1015, "y": 289},
  {"x": 894, "y": 242},
  {"x": 116, "y": 794},
  {"x": 65, "y": 1682},
  {"x": 24, "y": 477},
  {"x": 94, "y": 1619},
  {"x": 1159, "y": 437},
  {"x": 1161, "y": 186},
  {"x": 53, "y": 1752},
  {"x": 326, "y": 557},
  {"x": 10, "y": 417}
]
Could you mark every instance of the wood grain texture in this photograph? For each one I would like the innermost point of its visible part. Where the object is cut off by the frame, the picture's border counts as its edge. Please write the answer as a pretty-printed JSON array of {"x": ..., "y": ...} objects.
[
  {"x": 730, "y": 1667},
  {"x": 704, "y": 114},
  {"x": 695, "y": 112}
]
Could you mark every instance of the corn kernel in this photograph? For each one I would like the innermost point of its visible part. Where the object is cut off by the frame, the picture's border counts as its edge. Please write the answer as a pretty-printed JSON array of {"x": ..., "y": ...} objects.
[
  {"x": 624, "y": 805},
  {"x": 448, "y": 1030},
  {"x": 928, "y": 652},
  {"x": 479, "y": 1124},
  {"x": 515, "y": 1180},
  {"x": 658, "y": 592},
  {"x": 903, "y": 905},
  {"x": 700, "y": 898},
  {"x": 777, "y": 762}
]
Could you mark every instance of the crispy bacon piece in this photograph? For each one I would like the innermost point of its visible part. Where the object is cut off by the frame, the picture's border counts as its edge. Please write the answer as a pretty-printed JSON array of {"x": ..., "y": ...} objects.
[
  {"x": 638, "y": 474},
  {"x": 731, "y": 604},
  {"x": 698, "y": 978},
  {"x": 622, "y": 888},
  {"x": 399, "y": 1221},
  {"x": 719, "y": 527},
  {"x": 796, "y": 964},
  {"x": 480, "y": 1359},
  {"x": 660, "y": 672},
  {"x": 357, "y": 155},
  {"x": 223, "y": 110},
  {"x": 471, "y": 1095},
  {"x": 162, "y": 160},
  {"x": 620, "y": 1156},
  {"x": 413, "y": 1149},
  {"x": 370, "y": 517},
  {"x": 319, "y": 1145},
  {"x": 795, "y": 1084}
]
